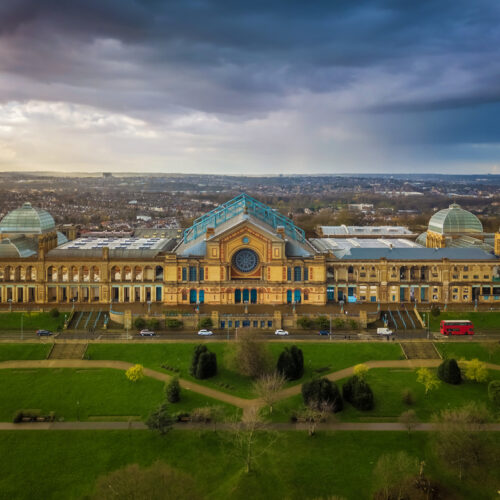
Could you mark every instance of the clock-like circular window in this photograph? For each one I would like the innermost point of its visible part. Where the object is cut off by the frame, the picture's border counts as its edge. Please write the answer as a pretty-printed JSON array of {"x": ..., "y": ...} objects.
[{"x": 245, "y": 260}]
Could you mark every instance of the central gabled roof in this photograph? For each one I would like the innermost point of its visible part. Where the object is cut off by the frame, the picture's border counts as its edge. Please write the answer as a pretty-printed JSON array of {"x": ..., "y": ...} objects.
[{"x": 243, "y": 204}]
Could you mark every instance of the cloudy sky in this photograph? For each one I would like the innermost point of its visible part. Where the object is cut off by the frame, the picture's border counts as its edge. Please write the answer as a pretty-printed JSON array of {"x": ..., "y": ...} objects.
[{"x": 250, "y": 87}]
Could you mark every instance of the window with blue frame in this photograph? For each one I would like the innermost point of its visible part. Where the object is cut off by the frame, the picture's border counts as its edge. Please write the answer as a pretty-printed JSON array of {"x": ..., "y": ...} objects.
[
  {"x": 306, "y": 273},
  {"x": 269, "y": 324},
  {"x": 202, "y": 273},
  {"x": 297, "y": 273},
  {"x": 192, "y": 273},
  {"x": 184, "y": 274},
  {"x": 289, "y": 274}
]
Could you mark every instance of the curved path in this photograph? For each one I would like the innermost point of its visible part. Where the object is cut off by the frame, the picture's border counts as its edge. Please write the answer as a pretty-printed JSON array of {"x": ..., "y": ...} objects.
[{"x": 245, "y": 404}]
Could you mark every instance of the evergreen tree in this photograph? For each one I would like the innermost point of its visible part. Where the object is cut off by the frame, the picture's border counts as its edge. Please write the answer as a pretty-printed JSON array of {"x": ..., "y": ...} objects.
[
  {"x": 173, "y": 391},
  {"x": 449, "y": 372},
  {"x": 321, "y": 391},
  {"x": 204, "y": 363},
  {"x": 358, "y": 392},
  {"x": 291, "y": 363}
]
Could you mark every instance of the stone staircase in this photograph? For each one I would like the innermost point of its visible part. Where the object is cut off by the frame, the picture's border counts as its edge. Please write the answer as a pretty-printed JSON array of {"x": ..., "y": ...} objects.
[
  {"x": 68, "y": 351},
  {"x": 420, "y": 350}
]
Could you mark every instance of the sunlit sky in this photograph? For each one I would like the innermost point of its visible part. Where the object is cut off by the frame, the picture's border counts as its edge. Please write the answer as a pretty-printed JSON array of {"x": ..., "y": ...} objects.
[{"x": 261, "y": 87}]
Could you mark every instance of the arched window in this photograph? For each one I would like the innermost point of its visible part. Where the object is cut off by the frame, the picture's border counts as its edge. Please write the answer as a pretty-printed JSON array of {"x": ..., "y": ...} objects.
[
  {"x": 297, "y": 273},
  {"x": 158, "y": 273},
  {"x": 116, "y": 274}
]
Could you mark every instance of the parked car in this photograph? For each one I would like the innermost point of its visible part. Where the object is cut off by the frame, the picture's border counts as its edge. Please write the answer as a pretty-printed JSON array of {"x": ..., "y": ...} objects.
[
  {"x": 324, "y": 332},
  {"x": 280, "y": 332},
  {"x": 384, "y": 331},
  {"x": 205, "y": 332},
  {"x": 147, "y": 333},
  {"x": 44, "y": 333}
]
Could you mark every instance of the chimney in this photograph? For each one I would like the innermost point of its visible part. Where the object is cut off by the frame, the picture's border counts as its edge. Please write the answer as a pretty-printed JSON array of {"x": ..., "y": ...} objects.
[
  {"x": 105, "y": 253},
  {"x": 281, "y": 231},
  {"x": 210, "y": 232}
]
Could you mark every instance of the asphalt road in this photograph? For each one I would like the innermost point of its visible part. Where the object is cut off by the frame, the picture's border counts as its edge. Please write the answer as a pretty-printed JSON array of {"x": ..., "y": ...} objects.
[{"x": 30, "y": 336}]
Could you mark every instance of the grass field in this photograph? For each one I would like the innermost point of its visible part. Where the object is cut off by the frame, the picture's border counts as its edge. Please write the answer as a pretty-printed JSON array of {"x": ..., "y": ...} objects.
[
  {"x": 387, "y": 385},
  {"x": 65, "y": 464},
  {"x": 324, "y": 356},
  {"x": 24, "y": 351},
  {"x": 31, "y": 321},
  {"x": 100, "y": 393},
  {"x": 481, "y": 320},
  {"x": 469, "y": 350}
]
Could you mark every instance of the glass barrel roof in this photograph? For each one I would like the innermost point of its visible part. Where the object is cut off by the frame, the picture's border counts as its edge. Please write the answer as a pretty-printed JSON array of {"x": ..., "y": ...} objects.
[
  {"x": 27, "y": 219},
  {"x": 455, "y": 220}
]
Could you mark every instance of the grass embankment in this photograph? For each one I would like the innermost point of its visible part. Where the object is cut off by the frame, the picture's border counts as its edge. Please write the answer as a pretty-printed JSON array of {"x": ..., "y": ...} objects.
[
  {"x": 65, "y": 464},
  {"x": 321, "y": 357},
  {"x": 24, "y": 351},
  {"x": 481, "y": 320},
  {"x": 470, "y": 350},
  {"x": 387, "y": 385},
  {"x": 32, "y": 321},
  {"x": 96, "y": 394}
]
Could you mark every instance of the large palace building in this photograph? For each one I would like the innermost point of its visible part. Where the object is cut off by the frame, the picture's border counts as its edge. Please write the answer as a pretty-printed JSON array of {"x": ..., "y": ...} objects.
[{"x": 245, "y": 252}]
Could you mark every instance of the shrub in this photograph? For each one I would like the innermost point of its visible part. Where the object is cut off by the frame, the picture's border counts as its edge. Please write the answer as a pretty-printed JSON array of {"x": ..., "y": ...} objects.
[
  {"x": 291, "y": 363},
  {"x": 305, "y": 323},
  {"x": 449, "y": 372},
  {"x": 360, "y": 371},
  {"x": 153, "y": 324},
  {"x": 135, "y": 373},
  {"x": 321, "y": 391},
  {"x": 206, "y": 323},
  {"x": 476, "y": 370},
  {"x": 435, "y": 311},
  {"x": 140, "y": 323},
  {"x": 173, "y": 391},
  {"x": 249, "y": 357},
  {"x": 174, "y": 324},
  {"x": 160, "y": 420},
  {"x": 353, "y": 324},
  {"x": 54, "y": 313},
  {"x": 323, "y": 322},
  {"x": 494, "y": 391},
  {"x": 338, "y": 323},
  {"x": 357, "y": 392},
  {"x": 407, "y": 396},
  {"x": 204, "y": 363}
]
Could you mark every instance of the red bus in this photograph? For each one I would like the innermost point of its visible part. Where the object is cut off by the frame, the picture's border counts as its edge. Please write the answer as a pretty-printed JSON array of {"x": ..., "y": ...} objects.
[{"x": 457, "y": 327}]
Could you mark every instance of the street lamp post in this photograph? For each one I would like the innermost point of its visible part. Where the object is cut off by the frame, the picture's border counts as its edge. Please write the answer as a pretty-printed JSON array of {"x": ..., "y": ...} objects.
[{"x": 330, "y": 333}]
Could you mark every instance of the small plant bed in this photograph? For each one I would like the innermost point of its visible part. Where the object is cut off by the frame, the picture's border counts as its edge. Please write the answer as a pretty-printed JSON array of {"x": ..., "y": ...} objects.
[
  {"x": 470, "y": 350},
  {"x": 388, "y": 386},
  {"x": 9, "y": 352},
  {"x": 481, "y": 320},
  {"x": 176, "y": 360},
  {"x": 84, "y": 394},
  {"x": 31, "y": 321}
]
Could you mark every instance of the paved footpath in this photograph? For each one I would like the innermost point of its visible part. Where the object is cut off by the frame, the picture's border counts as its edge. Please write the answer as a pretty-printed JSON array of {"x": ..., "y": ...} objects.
[
  {"x": 335, "y": 426},
  {"x": 244, "y": 404}
]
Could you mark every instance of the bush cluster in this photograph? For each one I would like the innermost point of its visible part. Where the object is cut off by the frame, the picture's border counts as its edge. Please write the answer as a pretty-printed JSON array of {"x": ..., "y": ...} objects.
[
  {"x": 494, "y": 392},
  {"x": 449, "y": 372},
  {"x": 173, "y": 391},
  {"x": 206, "y": 323},
  {"x": 322, "y": 392},
  {"x": 323, "y": 323},
  {"x": 54, "y": 313},
  {"x": 204, "y": 363},
  {"x": 174, "y": 324},
  {"x": 291, "y": 363},
  {"x": 359, "y": 393}
]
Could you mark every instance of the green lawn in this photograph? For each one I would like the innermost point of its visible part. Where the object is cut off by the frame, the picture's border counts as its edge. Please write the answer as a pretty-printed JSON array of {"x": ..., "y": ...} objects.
[
  {"x": 31, "y": 321},
  {"x": 101, "y": 393},
  {"x": 65, "y": 464},
  {"x": 387, "y": 385},
  {"x": 481, "y": 320},
  {"x": 24, "y": 351},
  {"x": 325, "y": 356},
  {"x": 468, "y": 350}
]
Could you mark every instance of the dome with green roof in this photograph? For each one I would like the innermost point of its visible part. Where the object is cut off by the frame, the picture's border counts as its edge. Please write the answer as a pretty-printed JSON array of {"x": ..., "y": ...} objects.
[
  {"x": 27, "y": 220},
  {"x": 455, "y": 220}
]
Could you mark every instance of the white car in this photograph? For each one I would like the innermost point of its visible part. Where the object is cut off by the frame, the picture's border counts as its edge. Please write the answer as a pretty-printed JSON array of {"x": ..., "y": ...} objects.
[
  {"x": 384, "y": 331},
  {"x": 280, "y": 332},
  {"x": 147, "y": 333},
  {"x": 205, "y": 332}
]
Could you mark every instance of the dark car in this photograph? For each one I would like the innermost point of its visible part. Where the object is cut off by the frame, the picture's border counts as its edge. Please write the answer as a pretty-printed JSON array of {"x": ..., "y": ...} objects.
[
  {"x": 324, "y": 332},
  {"x": 44, "y": 333}
]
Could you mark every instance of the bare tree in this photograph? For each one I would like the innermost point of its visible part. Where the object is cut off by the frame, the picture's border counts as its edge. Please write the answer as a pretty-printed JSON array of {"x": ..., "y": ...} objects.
[
  {"x": 245, "y": 438},
  {"x": 491, "y": 348},
  {"x": 392, "y": 472},
  {"x": 249, "y": 357},
  {"x": 409, "y": 419},
  {"x": 157, "y": 482},
  {"x": 315, "y": 413},
  {"x": 268, "y": 386},
  {"x": 459, "y": 441}
]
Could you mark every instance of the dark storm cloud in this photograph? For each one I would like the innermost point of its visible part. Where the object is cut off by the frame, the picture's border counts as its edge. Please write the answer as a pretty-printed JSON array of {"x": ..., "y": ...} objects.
[{"x": 409, "y": 72}]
